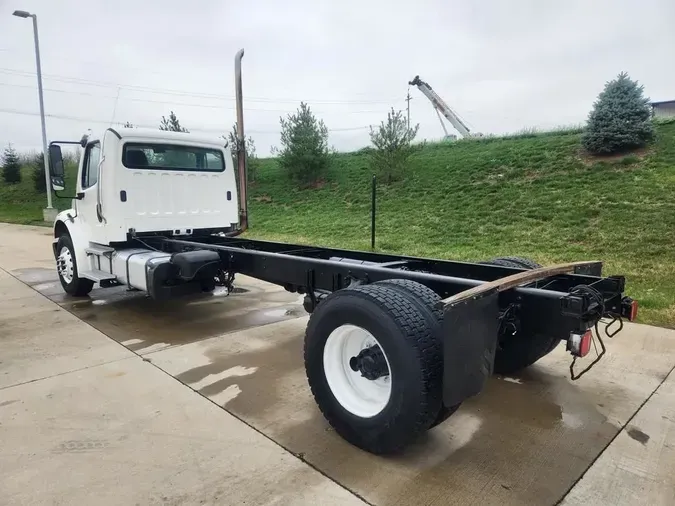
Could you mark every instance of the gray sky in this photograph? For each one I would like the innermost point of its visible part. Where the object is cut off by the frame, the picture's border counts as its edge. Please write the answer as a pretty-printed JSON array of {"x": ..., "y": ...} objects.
[{"x": 502, "y": 65}]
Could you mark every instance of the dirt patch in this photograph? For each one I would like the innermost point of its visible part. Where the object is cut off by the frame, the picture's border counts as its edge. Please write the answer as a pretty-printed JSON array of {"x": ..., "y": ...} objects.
[{"x": 629, "y": 158}]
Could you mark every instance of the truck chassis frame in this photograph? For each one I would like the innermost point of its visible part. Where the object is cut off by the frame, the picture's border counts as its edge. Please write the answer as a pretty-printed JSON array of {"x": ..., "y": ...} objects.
[{"x": 549, "y": 303}]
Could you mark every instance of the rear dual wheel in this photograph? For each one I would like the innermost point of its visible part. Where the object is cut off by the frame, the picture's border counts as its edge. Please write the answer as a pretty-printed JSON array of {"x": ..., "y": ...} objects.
[
  {"x": 522, "y": 349},
  {"x": 374, "y": 364}
]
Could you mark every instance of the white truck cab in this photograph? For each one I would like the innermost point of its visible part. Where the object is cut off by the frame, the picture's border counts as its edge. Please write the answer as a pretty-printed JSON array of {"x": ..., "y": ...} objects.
[{"x": 132, "y": 184}]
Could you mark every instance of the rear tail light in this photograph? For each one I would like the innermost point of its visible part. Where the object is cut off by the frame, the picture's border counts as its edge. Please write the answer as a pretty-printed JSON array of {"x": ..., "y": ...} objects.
[
  {"x": 633, "y": 311},
  {"x": 580, "y": 344},
  {"x": 629, "y": 308}
]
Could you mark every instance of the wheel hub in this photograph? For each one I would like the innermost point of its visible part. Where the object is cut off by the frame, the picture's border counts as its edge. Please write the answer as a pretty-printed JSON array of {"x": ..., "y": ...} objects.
[
  {"x": 357, "y": 370},
  {"x": 370, "y": 362},
  {"x": 64, "y": 265}
]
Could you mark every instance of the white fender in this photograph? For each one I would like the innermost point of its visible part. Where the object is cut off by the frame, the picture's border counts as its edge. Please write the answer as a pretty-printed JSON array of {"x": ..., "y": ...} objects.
[{"x": 68, "y": 220}]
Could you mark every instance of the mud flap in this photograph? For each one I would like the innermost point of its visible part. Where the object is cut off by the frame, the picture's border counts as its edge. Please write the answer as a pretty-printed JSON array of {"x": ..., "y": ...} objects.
[{"x": 470, "y": 333}]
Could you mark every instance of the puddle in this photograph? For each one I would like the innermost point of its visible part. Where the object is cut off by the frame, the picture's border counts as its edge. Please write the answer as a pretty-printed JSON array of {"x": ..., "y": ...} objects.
[
  {"x": 259, "y": 373},
  {"x": 43, "y": 287},
  {"x": 280, "y": 313},
  {"x": 36, "y": 276},
  {"x": 132, "y": 317}
]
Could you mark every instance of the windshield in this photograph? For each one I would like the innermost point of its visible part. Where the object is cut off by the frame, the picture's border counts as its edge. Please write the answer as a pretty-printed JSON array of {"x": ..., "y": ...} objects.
[{"x": 172, "y": 157}]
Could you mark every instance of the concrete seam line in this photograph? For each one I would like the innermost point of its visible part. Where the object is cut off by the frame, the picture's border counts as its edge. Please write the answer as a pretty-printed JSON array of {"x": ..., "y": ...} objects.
[
  {"x": 621, "y": 429},
  {"x": 65, "y": 372},
  {"x": 356, "y": 494}
]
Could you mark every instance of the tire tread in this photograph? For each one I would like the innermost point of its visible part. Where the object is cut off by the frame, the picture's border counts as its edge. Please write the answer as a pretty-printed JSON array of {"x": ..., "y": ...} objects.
[{"x": 418, "y": 334}]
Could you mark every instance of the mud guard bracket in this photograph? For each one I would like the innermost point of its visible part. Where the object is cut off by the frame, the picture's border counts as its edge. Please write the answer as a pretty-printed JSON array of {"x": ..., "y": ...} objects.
[{"x": 470, "y": 333}]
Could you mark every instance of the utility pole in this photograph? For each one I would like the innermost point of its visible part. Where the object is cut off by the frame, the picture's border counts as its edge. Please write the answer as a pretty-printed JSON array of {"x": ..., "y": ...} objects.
[
  {"x": 408, "y": 98},
  {"x": 49, "y": 213}
]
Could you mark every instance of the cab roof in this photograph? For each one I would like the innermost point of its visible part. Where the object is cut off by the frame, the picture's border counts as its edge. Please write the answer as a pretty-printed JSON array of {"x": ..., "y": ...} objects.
[{"x": 165, "y": 135}]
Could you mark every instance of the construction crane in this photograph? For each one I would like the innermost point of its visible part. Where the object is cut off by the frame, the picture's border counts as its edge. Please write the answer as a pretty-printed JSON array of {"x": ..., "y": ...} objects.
[{"x": 442, "y": 108}]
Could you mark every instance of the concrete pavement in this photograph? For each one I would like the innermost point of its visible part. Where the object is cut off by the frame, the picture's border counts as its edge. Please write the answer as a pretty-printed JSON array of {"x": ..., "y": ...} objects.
[
  {"x": 83, "y": 420},
  {"x": 532, "y": 439}
]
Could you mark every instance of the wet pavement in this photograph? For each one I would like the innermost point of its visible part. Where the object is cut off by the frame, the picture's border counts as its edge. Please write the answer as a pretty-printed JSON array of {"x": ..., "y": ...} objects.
[
  {"x": 524, "y": 440},
  {"x": 144, "y": 325}
]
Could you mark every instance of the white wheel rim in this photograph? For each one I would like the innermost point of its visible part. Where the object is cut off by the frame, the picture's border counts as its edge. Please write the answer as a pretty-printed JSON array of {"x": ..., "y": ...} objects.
[
  {"x": 64, "y": 265},
  {"x": 360, "y": 396}
]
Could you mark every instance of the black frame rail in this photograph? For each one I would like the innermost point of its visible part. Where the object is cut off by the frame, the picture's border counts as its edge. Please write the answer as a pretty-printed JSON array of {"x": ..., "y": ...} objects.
[{"x": 310, "y": 269}]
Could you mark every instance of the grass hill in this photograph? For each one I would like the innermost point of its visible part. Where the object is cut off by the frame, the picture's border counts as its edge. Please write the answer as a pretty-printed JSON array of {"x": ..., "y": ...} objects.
[{"x": 533, "y": 195}]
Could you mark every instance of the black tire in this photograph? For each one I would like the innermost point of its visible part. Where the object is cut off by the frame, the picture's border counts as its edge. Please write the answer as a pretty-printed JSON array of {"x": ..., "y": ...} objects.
[
  {"x": 405, "y": 333},
  {"x": 429, "y": 298},
  {"x": 521, "y": 351},
  {"x": 517, "y": 352},
  {"x": 78, "y": 287},
  {"x": 423, "y": 293},
  {"x": 445, "y": 413}
]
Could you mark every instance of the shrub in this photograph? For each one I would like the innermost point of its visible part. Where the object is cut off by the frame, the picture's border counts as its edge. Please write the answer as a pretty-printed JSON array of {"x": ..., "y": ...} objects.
[
  {"x": 304, "y": 155},
  {"x": 252, "y": 163},
  {"x": 393, "y": 148},
  {"x": 11, "y": 166},
  {"x": 620, "y": 119}
]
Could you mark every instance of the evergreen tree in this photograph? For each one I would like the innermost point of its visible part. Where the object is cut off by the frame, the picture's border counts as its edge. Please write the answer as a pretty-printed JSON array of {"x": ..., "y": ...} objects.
[
  {"x": 11, "y": 166},
  {"x": 393, "y": 148},
  {"x": 172, "y": 124},
  {"x": 620, "y": 119},
  {"x": 304, "y": 139},
  {"x": 39, "y": 173}
]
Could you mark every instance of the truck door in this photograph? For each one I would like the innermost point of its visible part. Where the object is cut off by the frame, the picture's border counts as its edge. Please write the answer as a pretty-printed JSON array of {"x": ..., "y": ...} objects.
[{"x": 86, "y": 206}]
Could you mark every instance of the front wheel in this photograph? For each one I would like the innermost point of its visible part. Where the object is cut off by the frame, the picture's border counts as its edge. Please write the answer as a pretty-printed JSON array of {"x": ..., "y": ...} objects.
[
  {"x": 66, "y": 266},
  {"x": 373, "y": 366}
]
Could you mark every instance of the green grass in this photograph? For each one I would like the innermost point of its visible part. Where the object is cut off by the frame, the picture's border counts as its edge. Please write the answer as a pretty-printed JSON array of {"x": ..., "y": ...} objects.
[
  {"x": 531, "y": 194},
  {"x": 21, "y": 203}
]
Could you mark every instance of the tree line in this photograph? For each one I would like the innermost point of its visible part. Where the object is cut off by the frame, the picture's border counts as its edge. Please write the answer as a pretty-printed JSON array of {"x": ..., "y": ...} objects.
[{"x": 620, "y": 121}]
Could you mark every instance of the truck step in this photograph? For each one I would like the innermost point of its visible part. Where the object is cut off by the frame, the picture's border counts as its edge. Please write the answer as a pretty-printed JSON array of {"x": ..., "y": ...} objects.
[
  {"x": 98, "y": 249},
  {"x": 97, "y": 275}
]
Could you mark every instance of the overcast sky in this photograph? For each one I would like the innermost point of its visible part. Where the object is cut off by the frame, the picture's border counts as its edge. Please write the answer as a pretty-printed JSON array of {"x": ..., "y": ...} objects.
[{"x": 502, "y": 65}]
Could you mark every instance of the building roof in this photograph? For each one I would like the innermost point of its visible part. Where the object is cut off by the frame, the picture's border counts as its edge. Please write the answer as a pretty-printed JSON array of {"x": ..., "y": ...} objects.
[{"x": 663, "y": 102}]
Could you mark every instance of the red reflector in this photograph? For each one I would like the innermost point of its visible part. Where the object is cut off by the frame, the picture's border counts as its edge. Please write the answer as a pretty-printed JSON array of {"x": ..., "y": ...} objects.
[
  {"x": 585, "y": 345},
  {"x": 633, "y": 310}
]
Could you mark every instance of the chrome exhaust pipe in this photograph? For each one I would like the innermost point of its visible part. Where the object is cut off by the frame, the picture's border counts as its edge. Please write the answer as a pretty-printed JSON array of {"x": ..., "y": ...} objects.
[{"x": 241, "y": 146}]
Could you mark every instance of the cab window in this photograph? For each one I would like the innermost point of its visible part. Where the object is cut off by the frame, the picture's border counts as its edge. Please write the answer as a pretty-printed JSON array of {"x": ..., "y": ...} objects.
[
  {"x": 92, "y": 157},
  {"x": 172, "y": 157}
]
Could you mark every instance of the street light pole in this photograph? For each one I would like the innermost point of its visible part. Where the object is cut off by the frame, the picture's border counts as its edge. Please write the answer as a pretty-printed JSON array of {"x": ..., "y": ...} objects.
[{"x": 24, "y": 14}]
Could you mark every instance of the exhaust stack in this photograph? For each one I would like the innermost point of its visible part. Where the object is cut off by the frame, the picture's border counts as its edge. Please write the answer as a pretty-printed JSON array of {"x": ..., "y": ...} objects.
[{"x": 241, "y": 145}]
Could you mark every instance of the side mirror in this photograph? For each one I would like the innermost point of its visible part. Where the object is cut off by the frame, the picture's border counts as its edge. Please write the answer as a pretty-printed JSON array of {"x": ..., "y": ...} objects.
[{"x": 56, "y": 171}]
